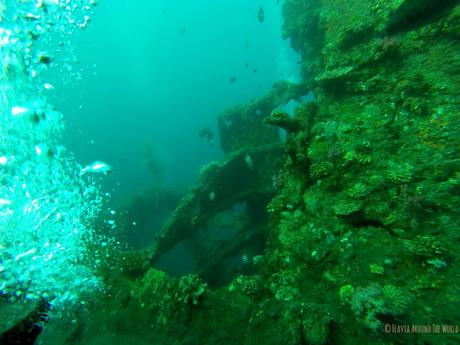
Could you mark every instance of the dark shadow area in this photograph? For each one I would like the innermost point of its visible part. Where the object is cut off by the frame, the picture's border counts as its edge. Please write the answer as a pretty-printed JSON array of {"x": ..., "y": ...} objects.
[{"x": 412, "y": 14}]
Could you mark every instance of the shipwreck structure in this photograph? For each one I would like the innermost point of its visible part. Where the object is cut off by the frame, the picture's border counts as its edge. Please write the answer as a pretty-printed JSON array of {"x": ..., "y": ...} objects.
[{"x": 244, "y": 177}]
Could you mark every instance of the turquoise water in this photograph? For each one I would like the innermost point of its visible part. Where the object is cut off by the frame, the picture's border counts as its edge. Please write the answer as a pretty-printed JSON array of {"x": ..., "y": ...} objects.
[{"x": 159, "y": 72}]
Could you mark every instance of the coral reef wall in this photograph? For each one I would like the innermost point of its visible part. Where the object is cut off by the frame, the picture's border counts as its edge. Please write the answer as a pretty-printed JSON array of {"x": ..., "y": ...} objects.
[{"x": 365, "y": 230}]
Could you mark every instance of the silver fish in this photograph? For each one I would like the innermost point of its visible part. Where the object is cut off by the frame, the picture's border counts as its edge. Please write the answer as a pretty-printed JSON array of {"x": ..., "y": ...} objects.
[
  {"x": 212, "y": 195},
  {"x": 97, "y": 167},
  {"x": 249, "y": 161}
]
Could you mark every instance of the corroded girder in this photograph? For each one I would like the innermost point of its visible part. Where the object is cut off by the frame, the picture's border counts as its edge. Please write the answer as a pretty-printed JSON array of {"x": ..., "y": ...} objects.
[{"x": 237, "y": 178}]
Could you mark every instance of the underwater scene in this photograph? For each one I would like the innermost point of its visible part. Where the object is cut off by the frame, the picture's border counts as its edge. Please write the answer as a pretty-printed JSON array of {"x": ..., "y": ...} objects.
[{"x": 196, "y": 172}]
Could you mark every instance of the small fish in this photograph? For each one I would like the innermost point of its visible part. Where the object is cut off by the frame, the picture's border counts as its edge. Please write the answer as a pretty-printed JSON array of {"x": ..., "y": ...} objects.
[
  {"x": 244, "y": 259},
  {"x": 44, "y": 58},
  {"x": 212, "y": 195},
  {"x": 249, "y": 161},
  {"x": 261, "y": 14},
  {"x": 207, "y": 133},
  {"x": 232, "y": 79},
  {"x": 97, "y": 167}
]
